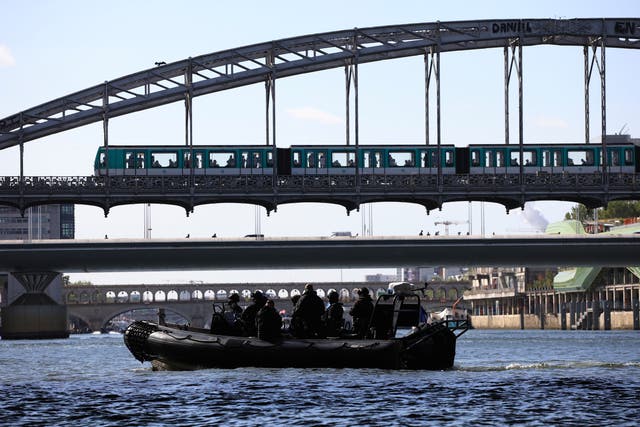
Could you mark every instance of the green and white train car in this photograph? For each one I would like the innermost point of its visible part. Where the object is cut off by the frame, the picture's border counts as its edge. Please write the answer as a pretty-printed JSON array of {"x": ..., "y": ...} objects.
[
  {"x": 176, "y": 160},
  {"x": 550, "y": 158},
  {"x": 372, "y": 160}
]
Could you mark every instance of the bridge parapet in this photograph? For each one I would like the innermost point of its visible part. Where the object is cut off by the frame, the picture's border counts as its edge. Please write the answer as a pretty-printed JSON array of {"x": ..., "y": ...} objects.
[
  {"x": 97, "y": 305},
  {"x": 218, "y": 293},
  {"x": 510, "y": 190}
]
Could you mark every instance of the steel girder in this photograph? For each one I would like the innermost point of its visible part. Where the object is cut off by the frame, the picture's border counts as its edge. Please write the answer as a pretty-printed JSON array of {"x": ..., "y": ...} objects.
[{"x": 287, "y": 57}]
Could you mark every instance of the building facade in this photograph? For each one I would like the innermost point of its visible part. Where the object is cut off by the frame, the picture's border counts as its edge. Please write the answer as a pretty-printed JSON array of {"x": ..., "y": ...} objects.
[{"x": 38, "y": 222}]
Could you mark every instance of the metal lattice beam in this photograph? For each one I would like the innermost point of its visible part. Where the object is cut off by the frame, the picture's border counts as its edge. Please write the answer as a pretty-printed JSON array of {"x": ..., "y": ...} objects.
[{"x": 288, "y": 57}]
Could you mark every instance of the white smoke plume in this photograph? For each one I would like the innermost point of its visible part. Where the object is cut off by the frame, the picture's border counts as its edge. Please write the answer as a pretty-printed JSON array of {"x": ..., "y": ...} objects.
[{"x": 534, "y": 217}]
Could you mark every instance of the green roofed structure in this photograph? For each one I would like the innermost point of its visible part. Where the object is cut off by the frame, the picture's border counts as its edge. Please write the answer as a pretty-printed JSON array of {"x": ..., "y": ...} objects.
[{"x": 581, "y": 278}]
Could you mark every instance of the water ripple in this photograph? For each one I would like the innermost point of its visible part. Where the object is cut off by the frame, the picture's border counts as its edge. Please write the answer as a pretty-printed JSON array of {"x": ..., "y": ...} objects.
[{"x": 501, "y": 378}]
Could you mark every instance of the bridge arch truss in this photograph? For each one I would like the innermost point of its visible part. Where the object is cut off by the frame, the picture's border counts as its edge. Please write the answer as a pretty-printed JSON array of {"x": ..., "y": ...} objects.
[{"x": 266, "y": 62}]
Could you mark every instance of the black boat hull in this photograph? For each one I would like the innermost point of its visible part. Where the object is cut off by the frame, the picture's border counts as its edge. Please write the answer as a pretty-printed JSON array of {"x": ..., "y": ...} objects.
[{"x": 178, "y": 348}]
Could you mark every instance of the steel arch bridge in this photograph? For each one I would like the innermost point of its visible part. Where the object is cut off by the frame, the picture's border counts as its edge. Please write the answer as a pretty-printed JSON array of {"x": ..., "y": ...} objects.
[{"x": 270, "y": 61}]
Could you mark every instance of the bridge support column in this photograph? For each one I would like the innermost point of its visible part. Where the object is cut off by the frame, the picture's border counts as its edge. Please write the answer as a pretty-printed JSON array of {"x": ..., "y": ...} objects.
[
  {"x": 607, "y": 315},
  {"x": 35, "y": 311}
]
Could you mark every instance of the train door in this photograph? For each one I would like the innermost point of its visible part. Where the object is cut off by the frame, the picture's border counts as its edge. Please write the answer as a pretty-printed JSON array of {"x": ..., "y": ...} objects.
[
  {"x": 315, "y": 162},
  {"x": 424, "y": 162},
  {"x": 449, "y": 160},
  {"x": 298, "y": 162},
  {"x": 551, "y": 160},
  {"x": 322, "y": 162},
  {"x": 251, "y": 162},
  {"x": 198, "y": 162},
  {"x": 372, "y": 162},
  {"x": 615, "y": 160},
  {"x": 500, "y": 161},
  {"x": 134, "y": 163},
  {"x": 489, "y": 166},
  {"x": 476, "y": 161}
]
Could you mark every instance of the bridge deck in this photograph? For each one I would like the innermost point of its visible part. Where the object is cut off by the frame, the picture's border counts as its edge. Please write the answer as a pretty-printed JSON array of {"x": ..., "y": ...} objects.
[{"x": 274, "y": 253}]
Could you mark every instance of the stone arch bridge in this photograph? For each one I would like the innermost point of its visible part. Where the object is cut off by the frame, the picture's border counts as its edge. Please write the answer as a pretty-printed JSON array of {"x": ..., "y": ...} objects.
[{"x": 97, "y": 305}]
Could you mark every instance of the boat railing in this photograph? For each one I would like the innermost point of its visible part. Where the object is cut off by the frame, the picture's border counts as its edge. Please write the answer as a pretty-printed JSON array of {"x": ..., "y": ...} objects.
[{"x": 457, "y": 326}]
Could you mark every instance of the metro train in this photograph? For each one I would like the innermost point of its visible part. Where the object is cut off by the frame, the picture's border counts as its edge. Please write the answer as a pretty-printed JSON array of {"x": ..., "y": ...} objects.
[{"x": 623, "y": 157}]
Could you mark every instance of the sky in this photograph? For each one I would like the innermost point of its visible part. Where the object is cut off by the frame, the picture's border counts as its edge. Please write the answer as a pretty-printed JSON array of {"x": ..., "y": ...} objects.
[{"x": 49, "y": 49}]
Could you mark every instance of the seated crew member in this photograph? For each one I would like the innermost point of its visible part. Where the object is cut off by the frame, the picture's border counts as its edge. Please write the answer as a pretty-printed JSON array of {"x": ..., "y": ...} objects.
[
  {"x": 333, "y": 317},
  {"x": 248, "y": 317},
  {"x": 361, "y": 312},
  {"x": 307, "y": 315},
  {"x": 268, "y": 322}
]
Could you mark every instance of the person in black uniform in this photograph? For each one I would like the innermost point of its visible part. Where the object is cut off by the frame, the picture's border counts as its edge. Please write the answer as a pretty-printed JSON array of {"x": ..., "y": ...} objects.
[
  {"x": 361, "y": 312},
  {"x": 233, "y": 313},
  {"x": 248, "y": 317},
  {"x": 307, "y": 315},
  {"x": 333, "y": 317},
  {"x": 268, "y": 322}
]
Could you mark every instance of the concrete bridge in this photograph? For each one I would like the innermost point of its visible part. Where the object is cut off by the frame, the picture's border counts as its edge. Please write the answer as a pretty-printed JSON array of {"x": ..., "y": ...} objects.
[{"x": 95, "y": 306}]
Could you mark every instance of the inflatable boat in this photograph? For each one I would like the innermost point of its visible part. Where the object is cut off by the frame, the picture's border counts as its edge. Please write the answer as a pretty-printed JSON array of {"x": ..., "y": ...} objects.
[{"x": 399, "y": 341}]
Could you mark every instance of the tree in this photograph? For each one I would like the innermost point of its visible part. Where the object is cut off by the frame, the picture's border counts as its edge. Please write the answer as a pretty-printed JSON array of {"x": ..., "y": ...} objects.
[
  {"x": 620, "y": 209},
  {"x": 615, "y": 209},
  {"x": 580, "y": 213}
]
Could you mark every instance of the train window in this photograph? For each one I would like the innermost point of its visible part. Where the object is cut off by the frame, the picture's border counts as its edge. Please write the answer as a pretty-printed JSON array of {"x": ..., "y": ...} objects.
[
  {"x": 557, "y": 158},
  {"x": 164, "y": 160},
  {"x": 475, "y": 157},
  {"x": 628, "y": 156},
  {"x": 256, "y": 160},
  {"x": 103, "y": 160},
  {"x": 500, "y": 160},
  {"x": 129, "y": 160},
  {"x": 448, "y": 158},
  {"x": 435, "y": 162},
  {"x": 529, "y": 158},
  {"x": 297, "y": 156},
  {"x": 244, "y": 162},
  {"x": 140, "y": 161},
  {"x": 614, "y": 158},
  {"x": 372, "y": 159},
  {"x": 322, "y": 160},
  {"x": 199, "y": 157},
  {"x": 311, "y": 159},
  {"x": 341, "y": 159},
  {"x": 401, "y": 159},
  {"x": 488, "y": 159},
  {"x": 270, "y": 159},
  {"x": 424, "y": 158},
  {"x": 515, "y": 158},
  {"x": 226, "y": 159},
  {"x": 187, "y": 160},
  {"x": 551, "y": 158},
  {"x": 580, "y": 158}
]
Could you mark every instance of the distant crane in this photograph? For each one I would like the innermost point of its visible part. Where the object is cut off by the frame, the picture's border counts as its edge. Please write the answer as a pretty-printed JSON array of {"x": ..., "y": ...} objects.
[{"x": 447, "y": 223}]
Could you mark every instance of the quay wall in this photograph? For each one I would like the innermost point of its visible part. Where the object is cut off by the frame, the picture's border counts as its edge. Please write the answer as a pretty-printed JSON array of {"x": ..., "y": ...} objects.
[{"x": 619, "y": 320}]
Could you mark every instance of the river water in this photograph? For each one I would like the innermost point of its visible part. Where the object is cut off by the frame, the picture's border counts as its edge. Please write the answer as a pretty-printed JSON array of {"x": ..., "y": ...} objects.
[{"x": 531, "y": 378}]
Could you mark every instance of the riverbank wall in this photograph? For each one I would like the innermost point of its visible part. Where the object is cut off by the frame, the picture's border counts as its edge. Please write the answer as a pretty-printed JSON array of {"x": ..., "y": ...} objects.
[{"x": 619, "y": 320}]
